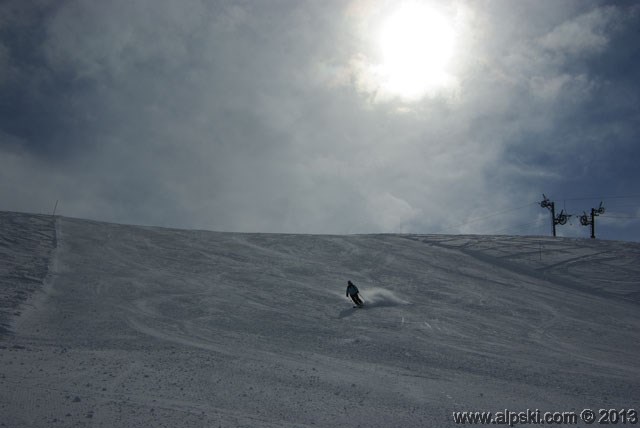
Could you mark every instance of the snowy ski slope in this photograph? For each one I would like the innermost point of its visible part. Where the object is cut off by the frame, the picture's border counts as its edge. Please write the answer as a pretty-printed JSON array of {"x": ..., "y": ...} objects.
[{"x": 120, "y": 326}]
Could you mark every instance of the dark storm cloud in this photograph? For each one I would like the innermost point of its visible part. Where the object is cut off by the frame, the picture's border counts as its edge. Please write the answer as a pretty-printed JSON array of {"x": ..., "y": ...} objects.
[
  {"x": 587, "y": 102},
  {"x": 261, "y": 116}
]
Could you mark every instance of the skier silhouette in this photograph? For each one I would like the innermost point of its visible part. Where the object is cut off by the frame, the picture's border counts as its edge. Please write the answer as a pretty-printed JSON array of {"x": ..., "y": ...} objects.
[{"x": 352, "y": 291}]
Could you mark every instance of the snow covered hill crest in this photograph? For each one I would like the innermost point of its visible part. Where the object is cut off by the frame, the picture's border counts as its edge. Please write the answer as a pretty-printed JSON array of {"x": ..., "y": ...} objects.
[{"x": 115, "y": 325}]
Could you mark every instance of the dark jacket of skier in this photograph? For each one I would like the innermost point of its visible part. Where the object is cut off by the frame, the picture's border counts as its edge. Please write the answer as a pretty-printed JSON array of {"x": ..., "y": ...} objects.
[{"x": 352, "y": 291}]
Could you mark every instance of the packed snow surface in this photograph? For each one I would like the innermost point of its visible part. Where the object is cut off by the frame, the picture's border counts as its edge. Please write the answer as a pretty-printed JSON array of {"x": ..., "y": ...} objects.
[{"x": 119, "y": 326}]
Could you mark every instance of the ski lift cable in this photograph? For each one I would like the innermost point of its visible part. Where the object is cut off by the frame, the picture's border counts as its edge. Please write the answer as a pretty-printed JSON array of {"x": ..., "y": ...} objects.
[{"x": 602, "y": 198}]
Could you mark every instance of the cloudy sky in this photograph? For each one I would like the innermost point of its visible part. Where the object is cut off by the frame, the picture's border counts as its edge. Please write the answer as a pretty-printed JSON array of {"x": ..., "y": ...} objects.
[{"x": 349, "y": 116}]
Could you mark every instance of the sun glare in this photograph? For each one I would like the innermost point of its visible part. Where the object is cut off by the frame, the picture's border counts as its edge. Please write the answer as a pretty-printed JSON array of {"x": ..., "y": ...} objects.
[{"x": 416, "y": 44}]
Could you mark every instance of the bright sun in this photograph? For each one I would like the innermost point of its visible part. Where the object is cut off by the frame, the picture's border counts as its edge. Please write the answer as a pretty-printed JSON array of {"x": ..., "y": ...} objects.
[{"x": 417, "y": 44}]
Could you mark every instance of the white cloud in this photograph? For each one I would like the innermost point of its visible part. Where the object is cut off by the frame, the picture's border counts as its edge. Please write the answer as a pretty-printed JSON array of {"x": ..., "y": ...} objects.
[
  {"x": 584, "y": 34},
  {"x": 576, "y": 88},
  {"x": 391, "y": 213}
]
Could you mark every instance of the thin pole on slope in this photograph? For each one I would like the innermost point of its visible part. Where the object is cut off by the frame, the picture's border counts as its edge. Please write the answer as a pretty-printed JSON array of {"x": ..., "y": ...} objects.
[
  {"x": 55, "y": 208},
  {"x": 540, "y": 251}
]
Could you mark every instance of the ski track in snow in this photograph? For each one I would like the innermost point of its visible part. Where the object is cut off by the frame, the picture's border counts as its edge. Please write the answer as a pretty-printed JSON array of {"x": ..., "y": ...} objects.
[
  {"x": 26, "y": 244},
  {"x": 114, "y": 325}
]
